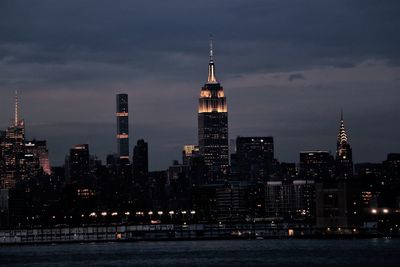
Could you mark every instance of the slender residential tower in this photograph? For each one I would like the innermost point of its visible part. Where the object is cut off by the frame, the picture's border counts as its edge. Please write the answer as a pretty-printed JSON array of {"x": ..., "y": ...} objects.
[
  {"x": 213, "y": 125},
  {"x": 122, "y": 127},
  {"x": 344, "y": 155}
]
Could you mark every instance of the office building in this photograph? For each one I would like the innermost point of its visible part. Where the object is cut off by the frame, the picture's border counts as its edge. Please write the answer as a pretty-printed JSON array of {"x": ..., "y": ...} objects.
[
  {"x": 316, "y": 165},
  {"x": 254, "y": 158},
  {"x": 188, "y": 152},
  {"x": 12, "y": 150},
  {"x": 37, "y": 150},
  {"x": 344, "y": 155},
  {"x": 213, "y": 125},
  {"x": 391, "y": 168},
  {"x": 78, "y": 164}
]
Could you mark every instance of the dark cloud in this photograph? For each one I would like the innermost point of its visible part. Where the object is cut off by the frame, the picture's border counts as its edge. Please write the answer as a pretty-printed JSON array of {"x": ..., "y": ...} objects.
[
  {"x": 69, "y": 58},
  {"x": 296, "y": 76}
]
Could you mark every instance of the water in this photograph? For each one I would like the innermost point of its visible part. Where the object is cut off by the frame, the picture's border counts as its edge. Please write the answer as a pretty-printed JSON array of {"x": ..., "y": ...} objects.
[{"x": 286, "y": 252}]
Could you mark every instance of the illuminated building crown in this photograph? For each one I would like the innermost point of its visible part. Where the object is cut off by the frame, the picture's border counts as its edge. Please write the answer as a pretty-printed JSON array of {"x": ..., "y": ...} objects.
[{"x": 342, "y": 136}]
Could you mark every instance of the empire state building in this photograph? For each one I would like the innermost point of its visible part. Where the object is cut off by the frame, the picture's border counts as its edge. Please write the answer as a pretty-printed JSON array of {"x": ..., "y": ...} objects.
[{"x": 213, "y": 125}]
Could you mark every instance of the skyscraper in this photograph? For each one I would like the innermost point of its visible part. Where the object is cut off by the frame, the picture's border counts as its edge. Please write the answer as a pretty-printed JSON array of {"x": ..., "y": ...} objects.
[
  {"x": 213, "y": 125},
  {"x": 344, "y": 155},
  {"x": 253, "y": 159},
  {"x": 13, "y": 150},
  {"x": 122, "y": 127},
  {"x": 78, "y": 164},
  {"x": 140, "y": 162},
  {"x": 316, "y": 165},
  {"x": 37, "y": 149}
]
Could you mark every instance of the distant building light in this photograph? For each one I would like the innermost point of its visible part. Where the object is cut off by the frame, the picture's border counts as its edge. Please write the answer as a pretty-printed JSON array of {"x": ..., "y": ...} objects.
[
  {"x": 385, "y": 211},
  {"x": 374, "y": 211}
]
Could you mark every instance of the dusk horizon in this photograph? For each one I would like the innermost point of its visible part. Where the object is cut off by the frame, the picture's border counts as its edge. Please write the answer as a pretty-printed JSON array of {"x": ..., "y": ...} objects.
[{"x": 287, "y": 73}]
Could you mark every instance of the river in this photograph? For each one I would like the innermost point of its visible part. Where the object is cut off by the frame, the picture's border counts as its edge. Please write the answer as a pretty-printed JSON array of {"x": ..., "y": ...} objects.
[{"x": 268, "y": 252}]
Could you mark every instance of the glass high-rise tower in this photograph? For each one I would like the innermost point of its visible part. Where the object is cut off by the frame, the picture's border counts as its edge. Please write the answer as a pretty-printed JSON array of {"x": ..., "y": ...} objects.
[
  {"x": 213, "y": 125},
  {"x": 122, "y": 127}
]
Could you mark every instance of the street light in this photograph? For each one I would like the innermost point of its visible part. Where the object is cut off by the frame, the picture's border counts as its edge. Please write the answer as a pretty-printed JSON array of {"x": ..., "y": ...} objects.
[{"x": 385, "y": 211}]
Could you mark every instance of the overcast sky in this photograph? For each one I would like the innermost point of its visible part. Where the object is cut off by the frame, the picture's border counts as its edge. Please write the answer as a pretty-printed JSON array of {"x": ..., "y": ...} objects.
[{"x": 287, "y": 67}]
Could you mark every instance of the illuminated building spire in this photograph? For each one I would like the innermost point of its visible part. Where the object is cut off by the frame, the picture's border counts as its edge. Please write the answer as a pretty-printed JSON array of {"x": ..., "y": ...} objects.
[
  {"x": 342, "y": 136},
  {"x": 211, "y": 66},
  {"x": 344, "y": 154},
  {"x": 213, "y": 126},
  {"x": 16, "y": 109},
  {"x": 211, "y": 50}
]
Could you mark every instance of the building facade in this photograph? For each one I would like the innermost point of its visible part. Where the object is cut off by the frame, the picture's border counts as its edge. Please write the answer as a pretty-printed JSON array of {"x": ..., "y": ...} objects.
[
  {"x": 213, "y": 125},
  {"x": 344, "y": 155},
  {"x": 316, "y": 165},
  {"x": 122, "y": 127},
  {"x": 140, "y": 162},
  {"x": 12, "y": 151},
  {"x": 253, "y": 159}
]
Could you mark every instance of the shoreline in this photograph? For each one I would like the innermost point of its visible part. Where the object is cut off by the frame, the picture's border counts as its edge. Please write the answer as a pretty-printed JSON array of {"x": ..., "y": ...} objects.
[{"x": 171, "y": 232}]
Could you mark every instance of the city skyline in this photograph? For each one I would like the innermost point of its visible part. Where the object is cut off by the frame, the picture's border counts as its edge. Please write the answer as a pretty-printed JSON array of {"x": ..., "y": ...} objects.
[
  {"x": 342, "y": 134},
  {"x": 285, "y": 76}
]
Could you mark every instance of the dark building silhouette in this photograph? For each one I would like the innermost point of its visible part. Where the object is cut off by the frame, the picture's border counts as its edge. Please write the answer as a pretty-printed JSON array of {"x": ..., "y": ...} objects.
[
  {"x": 288, "y": 171},
  {"x": 140, "y": 162},
  {"x": 344, "y": 155},
  {"x": 78, "y": 164},
  {"x": 123, "y": 127},
  {"x": 339, "y": 206},
  {"x": 229, "y": 202},
  {"x": 254, "y": 158},
  {"x": 198, "y": 172},
  {"x": 213, "y": 125},
  {"x": 2, "y": 135},
  {"x": 368, "y": 169},
  {"x": 316, "y": 165},
  {"x": 391, "y": 168},
  {"x": 390, "y": 196},
  {"x": 290, "y": 200},
  {"x": 178, "y": 186}
]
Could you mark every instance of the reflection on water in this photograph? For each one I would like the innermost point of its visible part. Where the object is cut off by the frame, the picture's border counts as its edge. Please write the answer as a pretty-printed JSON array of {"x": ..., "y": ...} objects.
[{"x": 368, "y": 252}]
